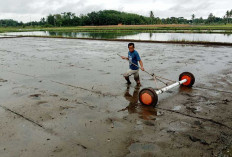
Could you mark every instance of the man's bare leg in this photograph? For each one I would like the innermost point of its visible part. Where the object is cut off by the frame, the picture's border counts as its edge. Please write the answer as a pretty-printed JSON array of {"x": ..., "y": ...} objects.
[
  {"x": 137, "y": 80},
  {"x": 127, "y": 79}
]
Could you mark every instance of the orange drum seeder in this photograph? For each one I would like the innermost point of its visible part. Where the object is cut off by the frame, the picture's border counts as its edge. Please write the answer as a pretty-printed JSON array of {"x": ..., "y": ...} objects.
[{"x": 149, "y": 96}]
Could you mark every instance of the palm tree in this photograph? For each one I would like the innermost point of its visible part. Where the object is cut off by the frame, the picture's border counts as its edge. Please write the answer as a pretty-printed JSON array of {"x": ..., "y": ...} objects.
[
  {"x": 193, "y": 17},
  {"x": 211, "y": 18},
  {"x": 231, "y": 13},
  {"x": 224, "y": 19},
  {"x": 152, "y": 17},
  {"x": 227, "y": 15}
]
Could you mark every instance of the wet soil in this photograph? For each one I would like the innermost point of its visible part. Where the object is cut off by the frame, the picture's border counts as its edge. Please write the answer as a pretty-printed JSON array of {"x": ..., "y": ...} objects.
[{"x": 62, "y": 97}]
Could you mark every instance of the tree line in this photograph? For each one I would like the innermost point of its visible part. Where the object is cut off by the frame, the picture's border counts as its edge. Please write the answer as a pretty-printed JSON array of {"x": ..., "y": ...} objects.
[{"x": 112, "y": 17}]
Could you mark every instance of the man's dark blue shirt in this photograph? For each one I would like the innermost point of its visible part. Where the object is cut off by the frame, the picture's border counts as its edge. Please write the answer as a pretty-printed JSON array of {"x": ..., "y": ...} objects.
[{"x": 133, "y": 58}]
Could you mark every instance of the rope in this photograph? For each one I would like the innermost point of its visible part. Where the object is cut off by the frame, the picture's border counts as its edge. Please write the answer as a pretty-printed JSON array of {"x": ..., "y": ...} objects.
[
  {"x": 166, "y": 79},
  {"x": 156, "y": 83},
  {"x": 206, "y": 88},
  {"x": 153, "y": 75}
]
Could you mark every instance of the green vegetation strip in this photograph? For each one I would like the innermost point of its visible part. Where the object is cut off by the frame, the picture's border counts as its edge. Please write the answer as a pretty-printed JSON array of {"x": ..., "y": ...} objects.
[
  {"x": 140, "y": 28},
  {"x": 145, "y": 41}
]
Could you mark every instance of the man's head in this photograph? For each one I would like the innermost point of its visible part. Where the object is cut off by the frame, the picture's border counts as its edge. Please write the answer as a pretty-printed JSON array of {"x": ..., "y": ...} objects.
[{"x": 131, "y": 47}]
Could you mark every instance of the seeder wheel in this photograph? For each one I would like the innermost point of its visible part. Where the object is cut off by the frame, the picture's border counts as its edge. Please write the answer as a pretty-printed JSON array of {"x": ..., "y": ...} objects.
[
  {"x": 148, "y": 97},
  {"x": 190, "y": 79}
]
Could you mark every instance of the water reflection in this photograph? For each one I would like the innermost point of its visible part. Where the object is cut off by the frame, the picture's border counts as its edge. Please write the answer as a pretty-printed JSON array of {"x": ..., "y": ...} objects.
[
  {"x": 213, "y": 37},
  {"x": 185, "y": 89},
  {"x": 92, "y": 35},
  {"x": 210, "y": 37},
  {"x": 145, "y": 112}
]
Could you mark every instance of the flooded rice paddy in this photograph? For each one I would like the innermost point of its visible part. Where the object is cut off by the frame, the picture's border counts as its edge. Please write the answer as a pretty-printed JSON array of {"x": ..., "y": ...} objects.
[
  {"x": 206, "y": 37},
  {"x": 67, "y": 97}
]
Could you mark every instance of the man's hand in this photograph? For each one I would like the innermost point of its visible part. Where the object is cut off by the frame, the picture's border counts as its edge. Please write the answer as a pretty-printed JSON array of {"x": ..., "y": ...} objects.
[
  {"x": 141, "y": 65},
  {"x": 142, "y": 68},
  {"x": 123, "y": 57}
]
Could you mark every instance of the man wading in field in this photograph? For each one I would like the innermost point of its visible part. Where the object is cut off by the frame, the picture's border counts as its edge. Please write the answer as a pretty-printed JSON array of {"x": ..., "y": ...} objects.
[{"x": 134, "y": 58}]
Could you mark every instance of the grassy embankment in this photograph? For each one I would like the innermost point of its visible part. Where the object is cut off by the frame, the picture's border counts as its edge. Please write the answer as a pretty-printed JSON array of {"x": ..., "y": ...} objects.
[
  {"x": 128, "y": 28},
  {"x": 225, "y": 29}
]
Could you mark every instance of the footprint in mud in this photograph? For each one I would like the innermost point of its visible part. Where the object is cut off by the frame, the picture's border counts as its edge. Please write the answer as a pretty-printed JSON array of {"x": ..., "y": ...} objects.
[
  {"x": 64, "y": 99},
  {"x": 141, "y": 147},
  {"x": 66, "y": 107},
  {"x": 2, "y": 80},
  {"x": 195, "y": 139},
  {"x": 35, "y": 96},
  {"x": 54, "y": 95},
  {"x": 41, "y": 102},
  {"x": 192, "y": 109}
]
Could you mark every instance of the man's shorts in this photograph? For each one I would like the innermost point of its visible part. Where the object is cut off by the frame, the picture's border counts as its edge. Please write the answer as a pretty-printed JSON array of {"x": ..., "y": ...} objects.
[{"x": 132, "y": 72}]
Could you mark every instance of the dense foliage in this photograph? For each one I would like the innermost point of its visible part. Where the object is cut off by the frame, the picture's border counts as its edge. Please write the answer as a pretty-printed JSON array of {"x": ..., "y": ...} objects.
[{"x": 112, "y": 17}]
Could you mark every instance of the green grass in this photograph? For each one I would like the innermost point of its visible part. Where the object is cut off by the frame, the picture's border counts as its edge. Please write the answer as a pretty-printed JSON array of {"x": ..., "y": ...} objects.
[{"x": 144, "y": 28}]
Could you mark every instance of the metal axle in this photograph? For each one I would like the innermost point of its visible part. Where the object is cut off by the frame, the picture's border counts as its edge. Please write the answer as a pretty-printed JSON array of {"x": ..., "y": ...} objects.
[
  {"x": 170, "y": 86},
  {"x": 149, "y": 96}
]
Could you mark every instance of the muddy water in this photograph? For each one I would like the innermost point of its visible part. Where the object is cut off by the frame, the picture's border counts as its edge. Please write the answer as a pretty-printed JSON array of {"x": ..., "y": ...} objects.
[
  {"x": 212, "y": 37},
  {"x": 61, "y": 96}
]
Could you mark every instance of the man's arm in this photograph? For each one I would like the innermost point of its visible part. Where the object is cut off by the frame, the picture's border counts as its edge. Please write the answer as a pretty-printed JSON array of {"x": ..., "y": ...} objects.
[
  {"x": 123, "y": 57},
  {"x": 141, "y": 65}
]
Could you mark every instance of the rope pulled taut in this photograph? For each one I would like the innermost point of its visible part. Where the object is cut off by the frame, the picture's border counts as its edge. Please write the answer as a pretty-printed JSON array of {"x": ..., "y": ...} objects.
[{"x": 153, "y": 75}]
